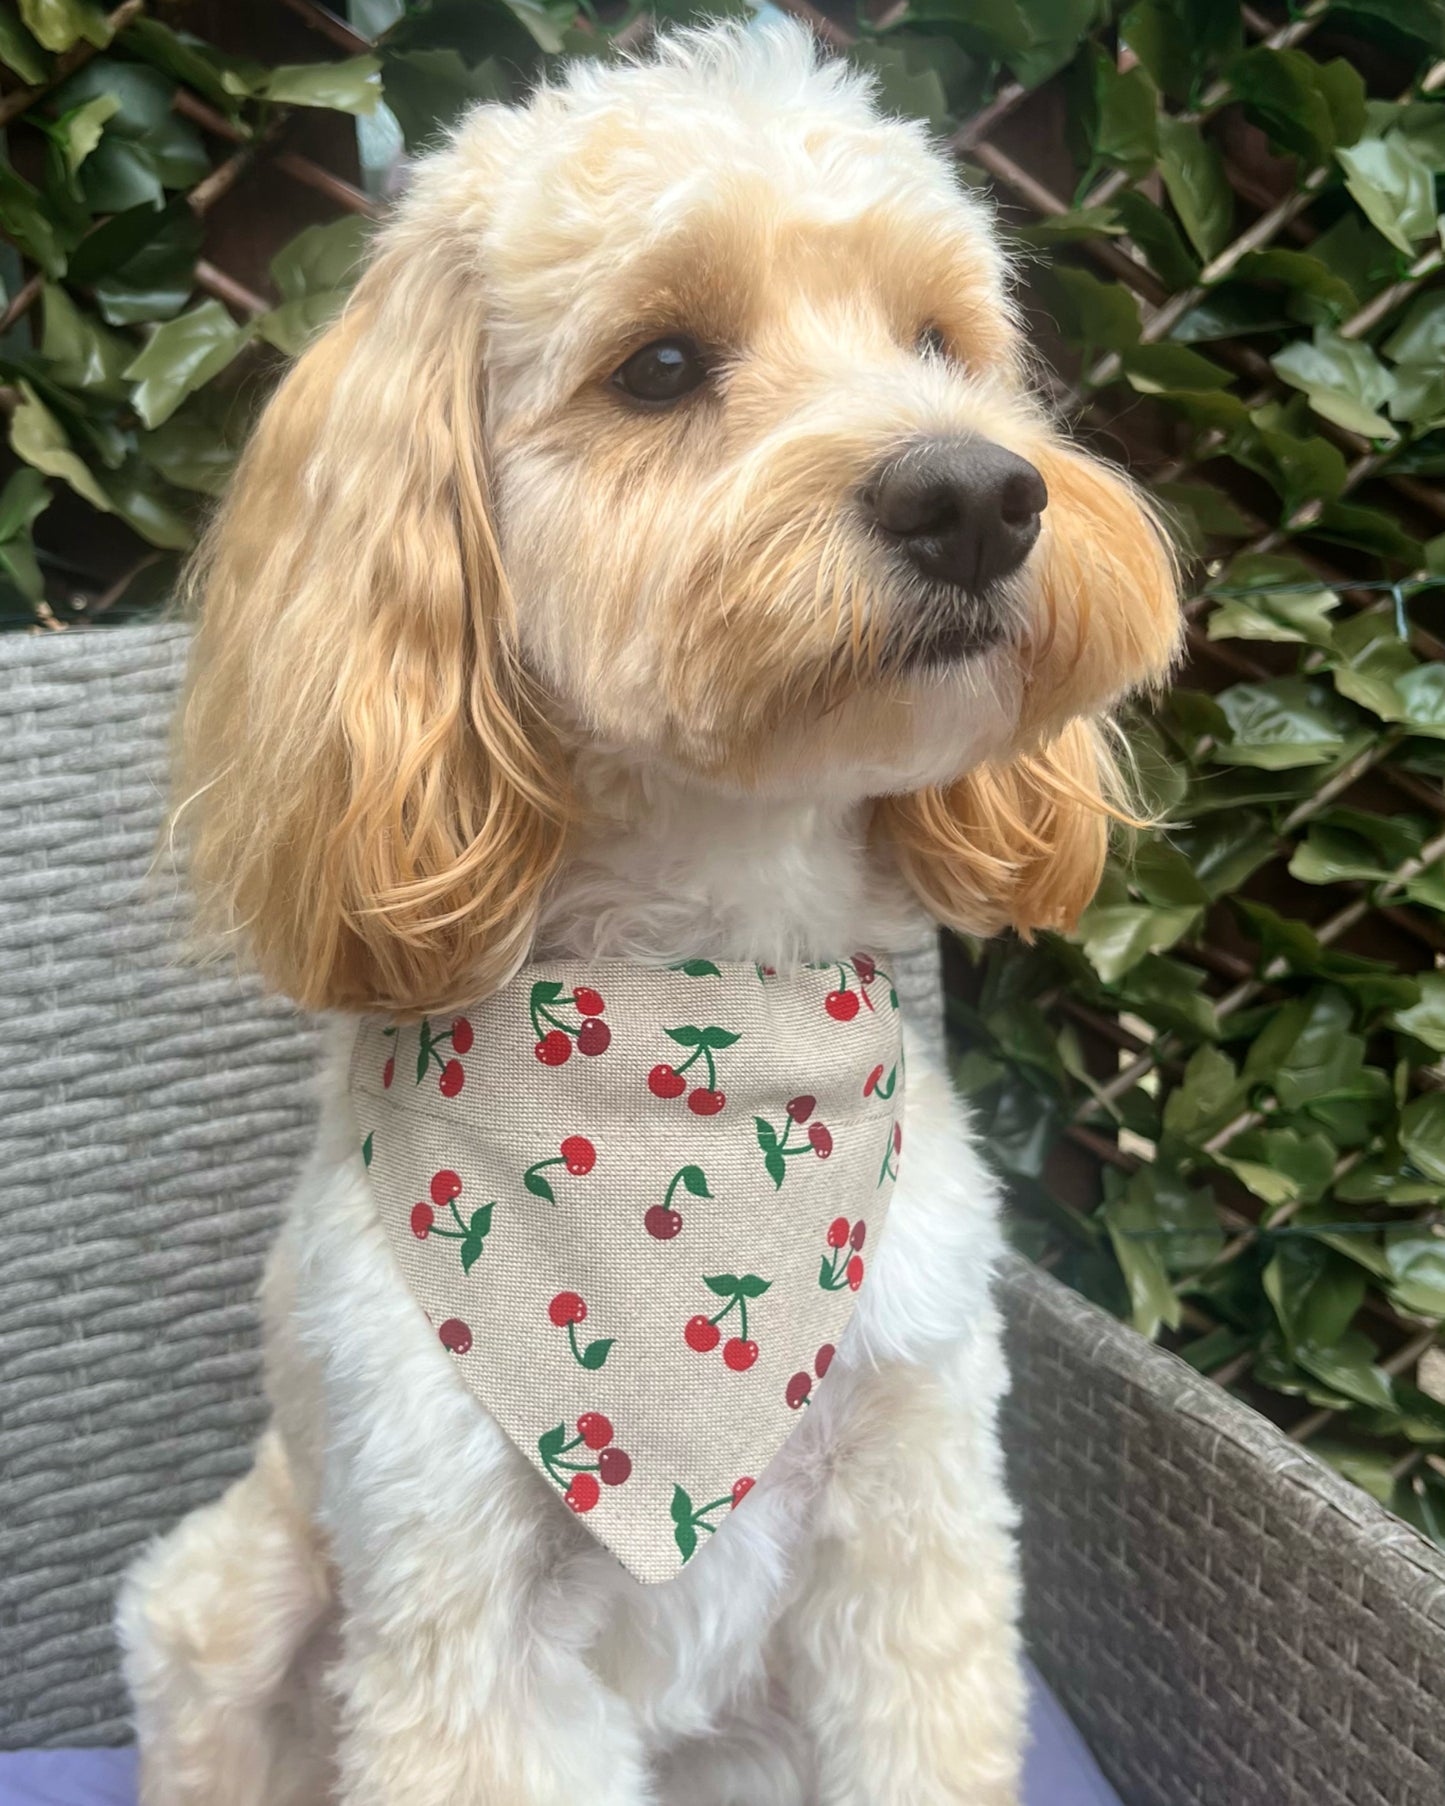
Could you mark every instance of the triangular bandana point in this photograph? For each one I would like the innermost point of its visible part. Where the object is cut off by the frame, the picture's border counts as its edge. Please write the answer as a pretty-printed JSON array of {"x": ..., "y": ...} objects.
[{"x": 637, "y": 1205}]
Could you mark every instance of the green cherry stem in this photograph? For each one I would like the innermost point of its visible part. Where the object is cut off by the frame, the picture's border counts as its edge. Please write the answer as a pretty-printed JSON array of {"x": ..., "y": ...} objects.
[
  {"x": 452, "y": 1235},
  {"x": 676, "y": 1181},
  {"x": 700, "y": 1053},
  {"x": 572, "y": 1338}
]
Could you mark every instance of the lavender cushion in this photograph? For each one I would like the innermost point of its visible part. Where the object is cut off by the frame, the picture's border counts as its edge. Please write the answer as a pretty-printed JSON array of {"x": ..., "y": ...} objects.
[{"x": 1059, "y": 1771}]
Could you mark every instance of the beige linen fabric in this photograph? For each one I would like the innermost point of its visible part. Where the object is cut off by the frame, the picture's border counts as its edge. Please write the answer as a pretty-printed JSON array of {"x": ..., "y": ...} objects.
[{"x": 637, "y": 1204}]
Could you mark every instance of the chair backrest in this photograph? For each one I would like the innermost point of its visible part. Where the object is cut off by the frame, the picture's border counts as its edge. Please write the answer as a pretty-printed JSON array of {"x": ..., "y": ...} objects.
[{"x": 150, "y": 1118}]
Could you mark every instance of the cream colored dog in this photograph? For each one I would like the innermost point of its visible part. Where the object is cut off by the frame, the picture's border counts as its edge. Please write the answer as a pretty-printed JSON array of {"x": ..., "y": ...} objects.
[{"x": 663, "y": 555}]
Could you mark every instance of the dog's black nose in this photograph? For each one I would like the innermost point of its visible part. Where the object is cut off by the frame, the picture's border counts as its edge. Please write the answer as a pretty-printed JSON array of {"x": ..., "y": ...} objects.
[{"x": 964, "y": 510}]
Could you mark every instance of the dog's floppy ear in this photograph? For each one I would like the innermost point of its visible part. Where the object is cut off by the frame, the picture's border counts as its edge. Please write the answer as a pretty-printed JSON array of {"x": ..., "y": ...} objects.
[
  {"x": 1017, "y": 845},
  {"x": 1022, "y": 842},
  {"x": 368, "y": 791}
]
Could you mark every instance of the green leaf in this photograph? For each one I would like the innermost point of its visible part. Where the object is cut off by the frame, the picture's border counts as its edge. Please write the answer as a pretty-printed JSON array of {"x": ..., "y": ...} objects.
[
  {"x": 20, "y": 52},
  {"x": 699, "y": 968},
  {"x": 1271, "y": 613},
  {"x": 352, "y": 86},
  {"x": 1114, "y": 112},
  {"x": 147, "y": 147},
  {"x": 1131, "y": 1222},
  {"x": 314, "y": 273},
  {"x": 1348, "y": 1365},
  {"x": 1346, "y": 845},
  {"x": 38, "y": 437},
  {"x": 1196, "y": 183},
  {"x": 141, "y": 263},
  {"x": 1424, "y": 1020},
  {"x": 144, "y": 505},
  {"x": 1371, "y": 661},
  {"x": 686, "y": 1539},
  {"x": 428, "y": 89},
  {"x": 694, "y": 1180},
  {"x": 1210, "y": 1095},
  {"x": 1116, "y": 937},
  {"x": 1422, "y": 1134},
  {"x": 480, "y": 1222},
  {"x": 185, "y": 57},
  {"x": 1180, "y": 41},
  {"x": 718, "y": 1038},
  {"x": 766, "y": 1133},
  {"x": 61, "y": 24},
  {"x": 681, "y": 1506},
  {"x": 1394, "y": 186},
  {"x": 80, "y": 352},
  {"x": 595, "y": 1353},
  {"x": 538, "y": 1186},
  {"x": 182, "y": 355},
  {"x": 24, "y": 498},
  {"x": 1344, "y": 380},
  {"x": 906, "y": 84},
  {"x": 1101, "y": 316},
  {"x": 25, "y": 219},
  {"x": 191, "y": 449},
  {"x": 1159, "y": 240},
  {"x": 471, "y": 1251},
  {"x": 752, "y": 1287},
  {"x": 724, "y": 1284},
  {"x": 1315, "y": 1294},
  {"x": 1282, "y": 723},
  {"x": 78, "y": 132},
  {"x": 1324, "y": 1058},
  {"x": 686, "y": 1036},
  {"x": 1161, "y": 369},
  {"x": 1304, "y": 106},
  {"x": 551, "y": 1443},
  {"x": 1225, "y": 849},
  {"x": 1281, "y": 1166},
  {"x": 366, "y": 1148},
  {"x": 776, "y": 1166}
]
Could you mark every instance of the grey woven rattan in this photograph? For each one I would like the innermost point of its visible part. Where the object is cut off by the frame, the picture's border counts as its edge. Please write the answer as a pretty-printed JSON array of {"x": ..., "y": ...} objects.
[
  {"x": 149, "y": 1118},
  {"x": 1228, "y": 1622}
]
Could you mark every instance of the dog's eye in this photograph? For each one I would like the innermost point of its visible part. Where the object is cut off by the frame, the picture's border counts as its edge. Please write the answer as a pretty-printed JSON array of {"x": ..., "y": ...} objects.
[
  {"x": 932, "y": 343},
  {"x": 662, "y": 372}
]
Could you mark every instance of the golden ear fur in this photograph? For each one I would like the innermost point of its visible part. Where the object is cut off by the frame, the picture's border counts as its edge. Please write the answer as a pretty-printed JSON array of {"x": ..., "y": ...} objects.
[
  {"x": 1022, "y": 842},
  {"x": 368, "y": 792}
]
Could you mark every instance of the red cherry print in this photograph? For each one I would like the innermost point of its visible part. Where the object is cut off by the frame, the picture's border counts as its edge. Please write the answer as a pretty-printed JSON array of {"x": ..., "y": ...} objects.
[
  {"x": 865, "y": 968},
  {"x": 594, "y": 1429},
  {"x": 799, "y": 1387},
  {"x": 593, "y": 1037},
  {"x": 554, "y": 1049},
  {"x": 452, "y": 1078},
  {"x": 455, "y": 1337},
  {"x": 565, "y": 1308},
  {"x": 579, "y": 1154},
  {"x": 388, "y": 1073},
  {"x": 739, "y": 1355},
  {"x": 445, "y": 1186},
  {"x": 701, "y": 1336},
  {"x": 801, "y": 1108},
  {"x": 703, "y": 1102},
  {"x": 860, "y": 1231},
  {"x": 422, "y": 1218},
  {"x": 661, "y": 1223},
  {"x": 461, "y": 1036},
  {"x": 842, "y": 1006},
  {"x": 898, "y": 1138},
  {"x": 823, "y": 1360},
  {"x": 855, "y": 1273},
  {"x": 741, "y": 1489},
  {"x": 838, "y": 1232},
  {"x": 821, "y": 1137},
  {"x": 662, "y": 1081},
  {"x": 614, "y": 1466},
  {"x": 871, "y": 1083},
  {"x": 588, "y": 1001},
  {"x": 583, "y": 1493}
]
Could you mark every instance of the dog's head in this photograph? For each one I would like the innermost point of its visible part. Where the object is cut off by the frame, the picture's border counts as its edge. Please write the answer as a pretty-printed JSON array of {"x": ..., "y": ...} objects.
[{"x": 681, "y": 410}]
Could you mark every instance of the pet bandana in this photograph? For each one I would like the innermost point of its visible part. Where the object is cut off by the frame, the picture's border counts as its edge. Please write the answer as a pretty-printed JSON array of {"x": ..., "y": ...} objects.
[{"x": 636, "y": 1205}]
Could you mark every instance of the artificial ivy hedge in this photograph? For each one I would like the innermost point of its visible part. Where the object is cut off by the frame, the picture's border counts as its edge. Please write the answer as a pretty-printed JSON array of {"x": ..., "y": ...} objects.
[{"x": 1220, "y": 1103}]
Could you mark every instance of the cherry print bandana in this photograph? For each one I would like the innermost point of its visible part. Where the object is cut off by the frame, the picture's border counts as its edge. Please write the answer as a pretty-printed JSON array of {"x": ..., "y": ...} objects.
[{"x": 637, "y": 1205}]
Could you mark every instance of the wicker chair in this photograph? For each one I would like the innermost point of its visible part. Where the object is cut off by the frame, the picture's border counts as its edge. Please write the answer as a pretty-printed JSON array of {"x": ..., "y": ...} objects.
[{"x": 1228, "y": 1622}]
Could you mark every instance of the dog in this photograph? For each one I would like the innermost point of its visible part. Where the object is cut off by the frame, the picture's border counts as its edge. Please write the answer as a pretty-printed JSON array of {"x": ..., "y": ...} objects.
[{"x": 663, "y": 555}]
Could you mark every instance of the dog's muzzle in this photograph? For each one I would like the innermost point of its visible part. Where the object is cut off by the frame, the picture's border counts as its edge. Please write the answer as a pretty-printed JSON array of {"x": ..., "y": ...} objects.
[{"x": 964, "y": 513}]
